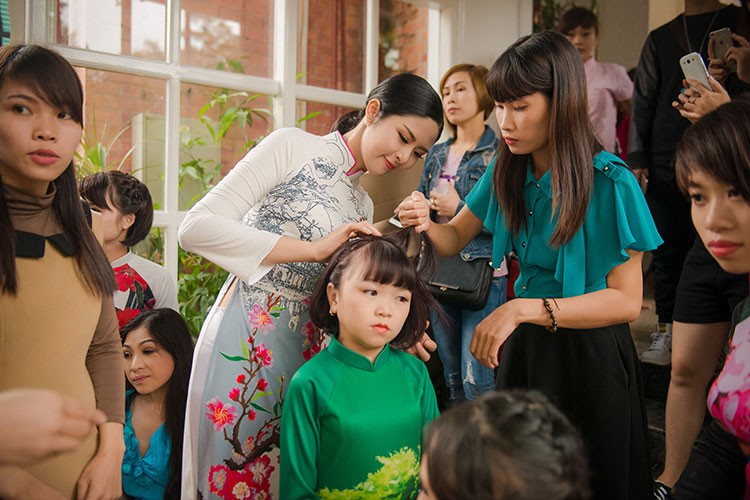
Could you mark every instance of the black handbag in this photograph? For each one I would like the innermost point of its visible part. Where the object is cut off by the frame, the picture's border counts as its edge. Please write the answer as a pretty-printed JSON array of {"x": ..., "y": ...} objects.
[{"x": 460, "y": 283}]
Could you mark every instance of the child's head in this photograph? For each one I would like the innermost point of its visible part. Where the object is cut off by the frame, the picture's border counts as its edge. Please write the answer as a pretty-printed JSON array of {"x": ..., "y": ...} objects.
[
  {"x": 712, "y": 165},
  {"x": 371, "y": 292},
  {"x": 462, "y": 87},
  {"x": 158, "y": 355},
  {"x": 581, "y": 27},
  {"x": 40, "y": 128},
  {"x": 125, "y": 204},
  {"x": 504, "y": 445}
]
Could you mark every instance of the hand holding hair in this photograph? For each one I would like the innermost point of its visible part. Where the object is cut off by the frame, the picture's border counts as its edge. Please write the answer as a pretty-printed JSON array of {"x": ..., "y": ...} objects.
[{"x": 415, "y": 211}]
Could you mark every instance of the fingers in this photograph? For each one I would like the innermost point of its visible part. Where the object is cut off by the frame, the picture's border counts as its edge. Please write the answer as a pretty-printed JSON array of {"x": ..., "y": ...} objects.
[{"x": 421, "y": 352}]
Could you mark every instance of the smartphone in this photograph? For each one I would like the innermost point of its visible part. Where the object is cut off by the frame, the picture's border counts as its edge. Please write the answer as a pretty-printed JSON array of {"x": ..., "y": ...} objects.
[
  {"x": 394, "y": 221},
  {"x": 693, "y": 67},
  {"x": 722, "y": 42}
]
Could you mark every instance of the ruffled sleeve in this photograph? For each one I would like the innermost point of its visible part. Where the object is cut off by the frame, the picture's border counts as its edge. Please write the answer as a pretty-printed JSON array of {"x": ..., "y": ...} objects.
[
  {"x": 482, "y": 202},
  {"x": 618, "y": 220}
]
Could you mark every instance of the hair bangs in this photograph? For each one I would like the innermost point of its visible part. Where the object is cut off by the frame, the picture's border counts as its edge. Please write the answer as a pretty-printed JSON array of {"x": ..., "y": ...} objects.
[
  {"x": 510, "y": 77},
  {"x": 49, "y": 75},
  {"x": 382, "y": 262},
  {"x": 95, "y": 189}
]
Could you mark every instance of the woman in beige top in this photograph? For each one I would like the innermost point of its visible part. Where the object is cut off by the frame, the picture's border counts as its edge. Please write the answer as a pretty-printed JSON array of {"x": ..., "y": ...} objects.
[{"x": 57, "y": 321}]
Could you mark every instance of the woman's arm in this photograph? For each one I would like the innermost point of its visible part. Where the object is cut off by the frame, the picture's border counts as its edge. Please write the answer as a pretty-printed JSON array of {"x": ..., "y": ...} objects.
[
  {"x": 448, "y": 238},
  {"x": 619, "y": 303},
  {"x": 102, "y": 477},
  {"x": 214, "y": 227}
]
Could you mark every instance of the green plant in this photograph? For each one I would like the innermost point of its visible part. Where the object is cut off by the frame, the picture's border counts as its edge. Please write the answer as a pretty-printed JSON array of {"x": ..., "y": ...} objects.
[{"x": 93, "y": 155}]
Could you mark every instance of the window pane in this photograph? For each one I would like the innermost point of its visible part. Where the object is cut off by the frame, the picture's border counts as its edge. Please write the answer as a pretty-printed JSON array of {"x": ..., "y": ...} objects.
[
  {"x": 232, "y": 36},
  {"x": 218, "y": 127},
  {"x": 132, "y": 27},
  {"x": 118, "y": 130},
  {"x": 318, "y": 118},
  {"x": 403, "y": 39},
  {"x": 151, "y": 248},
  {"x": 331, "y": 44}
]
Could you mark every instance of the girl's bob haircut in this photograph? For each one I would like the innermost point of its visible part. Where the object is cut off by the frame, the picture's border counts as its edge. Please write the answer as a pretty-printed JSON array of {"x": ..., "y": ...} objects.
[{"x": 382, "y": 259}]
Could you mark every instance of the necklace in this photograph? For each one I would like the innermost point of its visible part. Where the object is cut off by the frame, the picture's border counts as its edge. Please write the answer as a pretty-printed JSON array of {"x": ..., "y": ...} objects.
[{"x": 705, "y": 35}]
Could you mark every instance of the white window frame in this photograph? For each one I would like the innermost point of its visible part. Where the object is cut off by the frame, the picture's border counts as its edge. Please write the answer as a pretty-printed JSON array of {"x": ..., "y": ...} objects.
[{"x": 283, "y": 86}]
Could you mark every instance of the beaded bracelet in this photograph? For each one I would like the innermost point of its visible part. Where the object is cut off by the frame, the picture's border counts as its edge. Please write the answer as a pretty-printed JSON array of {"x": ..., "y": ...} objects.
[{"x": 553, "y": 327}]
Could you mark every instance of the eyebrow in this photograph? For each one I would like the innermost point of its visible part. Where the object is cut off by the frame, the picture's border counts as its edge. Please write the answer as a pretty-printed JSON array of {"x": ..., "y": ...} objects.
[
  {"x": 141, "y": 342},
  {"x": 413, "y": 137}
]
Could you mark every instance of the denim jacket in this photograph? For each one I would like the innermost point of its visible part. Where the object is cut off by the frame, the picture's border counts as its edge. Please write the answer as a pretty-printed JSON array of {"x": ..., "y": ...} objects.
[{"x": 471, "y": 168}]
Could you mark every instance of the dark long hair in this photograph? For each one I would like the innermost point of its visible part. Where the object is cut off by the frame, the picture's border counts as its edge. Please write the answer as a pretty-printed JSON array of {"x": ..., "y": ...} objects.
[
  {"x": 549, "y": 64},
  {"x": 718, "y": 145},
  {"x": 169, "y": 330},
  {"x": 510, "y": 445},
  {"x": 400, "y": 95},
  {"x": 128, "y": 195},
  {"x": 55, "y": 81},
  {"x": 386, "y": 261}
]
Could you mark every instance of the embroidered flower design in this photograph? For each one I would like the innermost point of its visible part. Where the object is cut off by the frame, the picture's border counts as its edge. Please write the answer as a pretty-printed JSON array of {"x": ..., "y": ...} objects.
[
  {"x": 241, "y": 378},
  {"x": 262, "y": 384},
  {"x": 234, "y": 393},
  {"x": 312, "y": 340},
  {"x": 263, "y": 355},
  {"x": 219, "y": 414},
  {"x": 251, "y": 414},
  {"x": 217, "y": 478},
  {"x": 241, "y": 490},
  {"x": 260, "y": 319},
  {"x": 261, "y": 469}
]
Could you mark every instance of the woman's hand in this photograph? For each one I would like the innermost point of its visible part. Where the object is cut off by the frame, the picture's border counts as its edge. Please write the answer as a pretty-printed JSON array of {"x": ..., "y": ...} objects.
[
  {"x": 327, "y": 245},
  {"x": 492, "y": 332},
  {"x": 445, "y": 202},
  {"x": 36, "y": 423},
  {"x": 423, "y": 347},
  {"x": 101, "y": 479},
  {"x": 694, "y": 104},
  {"x": 415, "y": 211},
  {"x": 740, "y": 57}
]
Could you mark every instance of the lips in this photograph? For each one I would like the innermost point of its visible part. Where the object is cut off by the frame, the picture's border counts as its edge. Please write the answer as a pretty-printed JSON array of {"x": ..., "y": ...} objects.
[
  {"x": 381, "y": 328},
  {"x": 389, "y": 165},
  {"x": 44, "y": 157},
  {"x": 510, "y": 140},
  {"x": 138, "y": 380},
  {"x": 722, "y": 248}
]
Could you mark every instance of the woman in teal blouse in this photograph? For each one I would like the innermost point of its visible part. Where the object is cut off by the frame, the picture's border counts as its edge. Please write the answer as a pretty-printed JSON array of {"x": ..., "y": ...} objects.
[{"x": 579, "y": 223}]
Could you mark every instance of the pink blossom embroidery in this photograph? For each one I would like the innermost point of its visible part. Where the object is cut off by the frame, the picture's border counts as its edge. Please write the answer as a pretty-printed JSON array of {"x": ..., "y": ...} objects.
[
  {"x": 217, "y": 478},
  {"x": 260, "y": 319},
  {"x": 263, "y": 355},
  {"x": 219, "y": 414},
  {"x": 241, "y": 378},
  {"x": 262, "y": 384},
  {"x": 241, "y": 490},
  {"x": 234, "y": 393}
]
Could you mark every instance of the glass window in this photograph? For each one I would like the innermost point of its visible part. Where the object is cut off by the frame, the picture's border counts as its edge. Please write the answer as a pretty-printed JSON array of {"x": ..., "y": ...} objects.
[
  {"x": 117, "y": 134},
  {"x": 403, "y": 39},
  {"x": 331, "y": 52},
  {"x": 217, "y": 128},
  {"x": 134, "y": 27},
  {"x": 318, "y": 118},
  {"x": 230, "y": 36}
]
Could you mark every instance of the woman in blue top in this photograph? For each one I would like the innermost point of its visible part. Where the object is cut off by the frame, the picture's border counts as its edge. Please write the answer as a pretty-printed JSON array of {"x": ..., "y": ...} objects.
[
  {"x": 579, "y": 223},
  {"x": 451, "y": 169},
  {"x": 157, "y": 355}
]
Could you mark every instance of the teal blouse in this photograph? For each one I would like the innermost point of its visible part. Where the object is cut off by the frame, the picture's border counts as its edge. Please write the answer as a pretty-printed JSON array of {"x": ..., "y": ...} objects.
[
  {"x": 350, "y": 427},
  {"x": 144, "y": 478},
  {"x": 618, "y": 219}
]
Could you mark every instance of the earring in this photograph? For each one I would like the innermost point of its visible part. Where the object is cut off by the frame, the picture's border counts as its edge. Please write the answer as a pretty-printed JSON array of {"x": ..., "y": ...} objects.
[{"x": 330, "y": 311}]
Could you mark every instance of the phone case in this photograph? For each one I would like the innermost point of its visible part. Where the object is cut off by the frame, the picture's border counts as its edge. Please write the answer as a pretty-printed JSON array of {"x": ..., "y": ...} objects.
[
  {"x": 722, "y": 42},
  {"x": 693, "y": 67}
]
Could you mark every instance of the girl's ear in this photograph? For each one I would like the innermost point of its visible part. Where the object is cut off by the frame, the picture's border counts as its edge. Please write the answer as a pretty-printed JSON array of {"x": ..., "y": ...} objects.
[
  {"x": 333, "y": 296},
  {"x": 127, "y": 221},
  {"x": 372, "y": 110}
]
